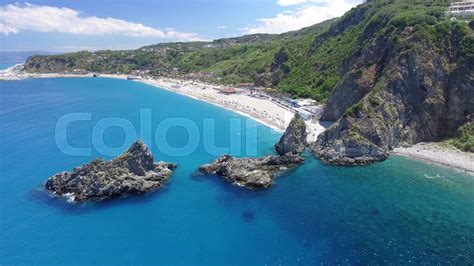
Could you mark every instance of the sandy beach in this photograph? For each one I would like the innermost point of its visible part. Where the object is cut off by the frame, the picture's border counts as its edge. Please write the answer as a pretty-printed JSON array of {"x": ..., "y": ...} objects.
[
  {"x": 440, "y": 154},
  {"x": 262, "y": 110},
  {"x": 265, "y": 110}
]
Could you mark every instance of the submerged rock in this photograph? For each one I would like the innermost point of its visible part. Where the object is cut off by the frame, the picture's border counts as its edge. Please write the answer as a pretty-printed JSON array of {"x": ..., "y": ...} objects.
[
  {"x": 251, "y": 172},
  {"x": 294, "y": 139},
  {"x": 133, "y": 172}
]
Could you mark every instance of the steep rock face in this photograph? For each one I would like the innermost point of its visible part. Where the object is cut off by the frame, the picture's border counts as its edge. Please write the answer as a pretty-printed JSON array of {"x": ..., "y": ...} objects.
[
  {"x": 251, "y": 172},
  {"x": 416, "y": 92},
  {"x": 360, "y": 73},
  {"x": 293, "y": 140},
  {"x": 260, "y": 172},
  {"x": 133, "y": 172},
  {"x": 279, "y": 67},
  {"x": 40, "y": 63},
  {"x": 340, "y": 145},
  {"x": 352, "y": 18}
]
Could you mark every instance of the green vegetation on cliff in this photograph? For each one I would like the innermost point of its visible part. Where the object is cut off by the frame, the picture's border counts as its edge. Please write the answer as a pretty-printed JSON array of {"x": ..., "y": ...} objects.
[
  {"x": 465, "y": 138},
  {"x": 308, "y": 63},
  {"x": 249, "y": 58},
  {"x": 409, "y": 79},
  {"x": 390, "y": 72}
]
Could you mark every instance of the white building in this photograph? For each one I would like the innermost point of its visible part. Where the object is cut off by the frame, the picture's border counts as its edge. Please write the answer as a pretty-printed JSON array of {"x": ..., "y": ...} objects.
[{"x": 461, "y": 8}]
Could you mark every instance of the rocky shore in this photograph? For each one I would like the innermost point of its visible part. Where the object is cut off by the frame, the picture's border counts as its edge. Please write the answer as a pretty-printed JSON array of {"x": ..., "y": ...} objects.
[
  {"x": 348, "y": 148},
  {"x": 338, "y": 144},
  {"x": 260, "y": 172},
  {"x": 133, "y": 172},
  {"x": 251, "y": 172},
  {"x": 294, "y": 140},
  {"x": 398, "y": 90}
]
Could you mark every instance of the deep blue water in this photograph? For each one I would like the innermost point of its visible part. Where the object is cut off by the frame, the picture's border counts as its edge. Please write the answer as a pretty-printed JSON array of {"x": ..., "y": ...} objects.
[{"x": 397, "y": 211}]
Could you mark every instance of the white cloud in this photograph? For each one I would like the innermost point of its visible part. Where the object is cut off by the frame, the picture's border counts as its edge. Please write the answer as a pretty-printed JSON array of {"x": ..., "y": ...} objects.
[
  {"x": 15, "y": 18},
  {"x": 222, "y": 27},
  {"x": 308, "y": 13},
  {"x": 291, "y": 2}
]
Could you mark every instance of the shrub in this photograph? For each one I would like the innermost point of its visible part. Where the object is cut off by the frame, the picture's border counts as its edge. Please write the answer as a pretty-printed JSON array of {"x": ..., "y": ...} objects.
[{"x": 465, "y": 138}]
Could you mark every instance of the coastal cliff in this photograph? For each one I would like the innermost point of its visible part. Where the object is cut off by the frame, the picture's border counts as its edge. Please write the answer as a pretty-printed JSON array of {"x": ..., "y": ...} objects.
[
  {"x": 408, "y": 84},
  {"x": 133, "y": 172},
  {"x": 391, "y": 73}
]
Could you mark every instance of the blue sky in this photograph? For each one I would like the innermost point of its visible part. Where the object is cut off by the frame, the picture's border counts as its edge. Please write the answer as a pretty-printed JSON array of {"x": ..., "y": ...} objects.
[{"x": 68, "y": 25}]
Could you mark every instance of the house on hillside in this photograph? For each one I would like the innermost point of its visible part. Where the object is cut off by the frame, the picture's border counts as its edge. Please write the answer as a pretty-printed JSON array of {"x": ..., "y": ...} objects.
[{"x": 461, "y": 8}]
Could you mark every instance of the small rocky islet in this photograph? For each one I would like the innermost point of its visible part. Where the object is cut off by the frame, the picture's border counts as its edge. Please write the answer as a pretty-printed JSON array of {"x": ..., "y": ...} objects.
[
  {"x": 251, "y": 172},
  {"x": 260, "y": 172},
  {"x": 132, "y": 173},
  {"x": 135, "y": 171}
]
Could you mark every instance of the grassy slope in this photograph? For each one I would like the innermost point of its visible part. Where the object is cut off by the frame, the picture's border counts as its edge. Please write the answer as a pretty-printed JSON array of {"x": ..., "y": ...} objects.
[{"x": 314, "y": 69}]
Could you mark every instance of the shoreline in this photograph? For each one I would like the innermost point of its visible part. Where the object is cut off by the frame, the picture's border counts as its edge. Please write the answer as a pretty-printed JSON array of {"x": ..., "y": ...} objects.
[
  {"x": 185, "y": 90},
  {"x": 265, "y": 111},
  {"x": 437, "y": 153}
]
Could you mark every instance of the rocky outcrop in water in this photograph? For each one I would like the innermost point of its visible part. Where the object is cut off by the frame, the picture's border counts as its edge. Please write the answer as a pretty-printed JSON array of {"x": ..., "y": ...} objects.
[
  {"x": 133, "y": 172},
  {"x": 260, "y": 172},
  {"x": 294, "y": 139},
  {"x": 349, "y": 148},
  {"x": 251, "y": 172},
  {"x": 396, "y": 73}
]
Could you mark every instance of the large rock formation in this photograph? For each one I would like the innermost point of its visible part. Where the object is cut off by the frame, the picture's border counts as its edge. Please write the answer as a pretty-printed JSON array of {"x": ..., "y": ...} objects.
[
  {"x": 259, "y": 172},
  {"x": 348, "y": 148},
  {"x": 400, "y": 88},
  {"x": 294, "y": 139},
  {"x": 133, "y": 172},
  {"x": 251, "y": 172},
  {"x": 391, "y": 72}
]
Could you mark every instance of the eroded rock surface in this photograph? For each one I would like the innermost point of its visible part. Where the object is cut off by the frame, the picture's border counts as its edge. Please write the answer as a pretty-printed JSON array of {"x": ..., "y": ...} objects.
[
  {"x": 293, "y": 140},
  {"x": 133, "y": 172},
  {"x": 398, "y": 90},
  {"x": 251, "y": 172}
]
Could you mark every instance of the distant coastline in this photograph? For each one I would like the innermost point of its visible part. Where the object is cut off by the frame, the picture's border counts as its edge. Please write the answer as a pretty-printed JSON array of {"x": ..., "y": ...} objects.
[{"x": 264, "y": 111}]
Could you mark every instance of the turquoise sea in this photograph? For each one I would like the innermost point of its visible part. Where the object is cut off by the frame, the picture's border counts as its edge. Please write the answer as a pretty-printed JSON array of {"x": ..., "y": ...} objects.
[{"x": 396, "y": 212}]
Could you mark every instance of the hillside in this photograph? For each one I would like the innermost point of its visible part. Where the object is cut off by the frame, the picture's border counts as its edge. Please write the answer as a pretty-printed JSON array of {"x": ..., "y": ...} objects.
[
  {"x": 253, "y": 58},
  {"x": 391, "y": 73},
  {"x": 410, "y": 80}
]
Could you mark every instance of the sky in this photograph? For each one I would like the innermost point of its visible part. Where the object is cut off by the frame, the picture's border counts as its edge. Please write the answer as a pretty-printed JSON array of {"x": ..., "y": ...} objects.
[{"x": 72, "y": 25}]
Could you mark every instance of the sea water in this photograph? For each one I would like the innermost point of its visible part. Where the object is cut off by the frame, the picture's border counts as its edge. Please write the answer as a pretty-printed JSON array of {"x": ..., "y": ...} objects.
[{"x": 398, "y": 211}]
